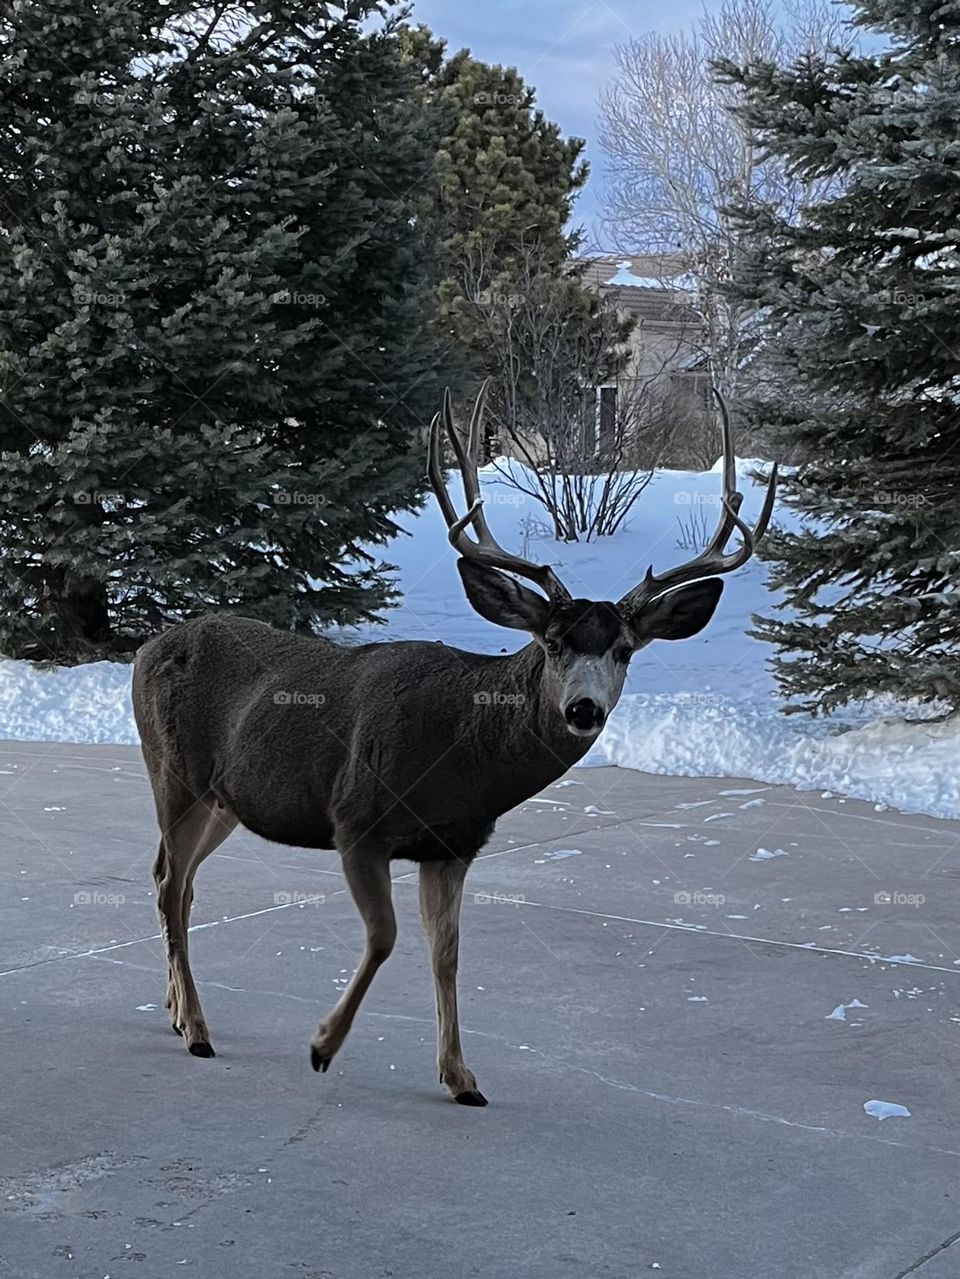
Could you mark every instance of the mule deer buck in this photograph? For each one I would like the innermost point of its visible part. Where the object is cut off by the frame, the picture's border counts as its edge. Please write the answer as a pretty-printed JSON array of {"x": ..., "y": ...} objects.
[{"x": 406, "y": 750}]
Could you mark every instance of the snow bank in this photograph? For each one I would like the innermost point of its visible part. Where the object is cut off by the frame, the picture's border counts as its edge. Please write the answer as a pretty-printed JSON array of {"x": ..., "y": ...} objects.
[
  {"x": 911, "y": 766},
  {"x": 701, "y": 707},
  {"x": 88, "y": 703}
]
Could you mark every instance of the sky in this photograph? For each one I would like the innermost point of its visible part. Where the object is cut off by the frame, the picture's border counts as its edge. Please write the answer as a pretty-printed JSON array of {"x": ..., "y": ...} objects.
[{"x": 562, "y": 48}]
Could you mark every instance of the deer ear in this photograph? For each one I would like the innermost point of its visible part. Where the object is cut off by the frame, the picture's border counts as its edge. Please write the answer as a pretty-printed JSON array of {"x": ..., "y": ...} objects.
[
  {"x": 502, "y": 600},
  {"x": 678, "y": 614}
]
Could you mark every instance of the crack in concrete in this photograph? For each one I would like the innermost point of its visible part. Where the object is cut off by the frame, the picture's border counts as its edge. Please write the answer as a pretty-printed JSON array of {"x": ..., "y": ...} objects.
[{"x": 928, "y": 1256}]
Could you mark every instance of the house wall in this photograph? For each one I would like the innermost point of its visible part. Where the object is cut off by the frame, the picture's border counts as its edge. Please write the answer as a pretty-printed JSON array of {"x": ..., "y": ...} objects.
[{"x": 665, "y": 365}]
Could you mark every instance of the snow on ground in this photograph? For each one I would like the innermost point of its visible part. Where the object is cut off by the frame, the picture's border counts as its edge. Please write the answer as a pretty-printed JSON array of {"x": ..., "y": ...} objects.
[
  {"x": 706, "y": 706},
  {"x": 88, "y": 703}
]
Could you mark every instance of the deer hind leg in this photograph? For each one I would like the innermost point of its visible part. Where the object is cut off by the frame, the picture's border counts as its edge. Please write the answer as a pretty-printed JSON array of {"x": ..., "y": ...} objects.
[
  {"x": 190, "y": 834},
  {"x": 368, "y": 877},
  {"x": 441, "y": 893},
  {"x": 159, "y": 876}
]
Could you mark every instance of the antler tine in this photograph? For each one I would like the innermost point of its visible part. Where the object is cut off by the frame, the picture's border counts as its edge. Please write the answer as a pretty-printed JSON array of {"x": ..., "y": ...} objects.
[
  {"x": 476, "y": 418},
  {"x": 467, "y": 462},
  {"x": 729, "y": 483},
  {"x": 761, "y": 525},
  {"x": 730, "y": 478},
  {"x": 468, "y": 474},
  {"x": 713, "y": 559},
  {"x": 486, "y": 549},
  {"x": 734, "y": 559},
  {"x": 455, "y": 524},
  {"x": 435, "y": 473}
]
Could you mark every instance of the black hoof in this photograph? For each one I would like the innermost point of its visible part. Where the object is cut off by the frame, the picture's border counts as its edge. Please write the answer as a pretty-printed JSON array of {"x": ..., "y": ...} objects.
[
  {"x": 474, "y": 1098},
  {"x": 319, "y": 1062},
  {"x": 201, "y": 1049}
]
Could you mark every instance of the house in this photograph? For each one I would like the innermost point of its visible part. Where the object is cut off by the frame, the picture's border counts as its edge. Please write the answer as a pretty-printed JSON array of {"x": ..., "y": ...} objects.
[
  {"x": 656, "y": 411},
  {"x": 667, "y": 367}
]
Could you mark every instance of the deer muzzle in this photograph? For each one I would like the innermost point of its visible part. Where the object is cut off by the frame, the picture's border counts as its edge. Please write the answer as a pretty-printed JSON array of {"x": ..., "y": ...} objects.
[{"x": 584, "y": 716}]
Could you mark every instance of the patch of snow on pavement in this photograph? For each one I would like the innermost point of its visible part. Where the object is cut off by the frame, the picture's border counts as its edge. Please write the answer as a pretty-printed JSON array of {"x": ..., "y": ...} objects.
[
  {"x": 559, "y": 854},
  {"x": 886, "y": 1110},
  {"x": 840, "y": 1012},
  {"x": 765, "y": 854}
]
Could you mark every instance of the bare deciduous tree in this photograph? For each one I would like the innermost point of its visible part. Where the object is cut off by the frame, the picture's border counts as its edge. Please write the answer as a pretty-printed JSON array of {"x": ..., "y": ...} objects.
[{"x": 677, "y": 158}]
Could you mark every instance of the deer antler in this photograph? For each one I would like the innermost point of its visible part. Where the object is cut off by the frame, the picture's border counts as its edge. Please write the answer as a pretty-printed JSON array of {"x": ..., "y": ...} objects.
[
  {"x": 485, "y": 550},
  {"x": 712, "y": 559}
]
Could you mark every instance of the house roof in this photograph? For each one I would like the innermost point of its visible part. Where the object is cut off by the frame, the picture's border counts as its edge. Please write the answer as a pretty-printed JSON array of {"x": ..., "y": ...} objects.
[
  {"x": 645, "y": 271},
  {"x": 649, "y": 286}
]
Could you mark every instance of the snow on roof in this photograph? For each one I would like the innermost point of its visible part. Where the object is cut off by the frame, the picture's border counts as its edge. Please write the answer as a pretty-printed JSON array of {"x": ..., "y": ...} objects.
[{"x": 624, "y": 275}]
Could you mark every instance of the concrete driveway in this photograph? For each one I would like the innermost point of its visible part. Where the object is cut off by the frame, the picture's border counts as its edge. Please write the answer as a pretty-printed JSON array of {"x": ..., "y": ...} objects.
[{"x": 677, "y": 994}]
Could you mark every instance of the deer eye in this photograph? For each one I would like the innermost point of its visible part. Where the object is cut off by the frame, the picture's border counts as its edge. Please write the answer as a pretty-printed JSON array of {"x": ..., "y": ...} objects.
[
  {"x": 622, "y": 654},
  {"x": 553, "y": 647}
]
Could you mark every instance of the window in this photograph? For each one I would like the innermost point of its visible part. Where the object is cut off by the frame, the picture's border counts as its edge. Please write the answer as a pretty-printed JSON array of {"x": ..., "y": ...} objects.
[
  {"x": 607, "y": 418},
  {"x": 599, "y": 420}
]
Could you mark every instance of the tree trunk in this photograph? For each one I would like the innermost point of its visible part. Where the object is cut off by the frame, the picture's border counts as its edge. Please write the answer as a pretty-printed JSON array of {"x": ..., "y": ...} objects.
[{"x": 85, "y": 612}]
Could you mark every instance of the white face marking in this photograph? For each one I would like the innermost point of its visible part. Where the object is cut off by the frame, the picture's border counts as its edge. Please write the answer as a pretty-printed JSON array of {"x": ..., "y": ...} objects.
[
  {"x": 598, "y": 680},
  {"x": 587, "y": 647}
]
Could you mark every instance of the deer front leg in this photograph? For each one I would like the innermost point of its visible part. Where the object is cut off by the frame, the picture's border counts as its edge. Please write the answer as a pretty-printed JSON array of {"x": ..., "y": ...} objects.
[
  {"x": 441, "y": 892},
  {"x": 368, "y": 877}
]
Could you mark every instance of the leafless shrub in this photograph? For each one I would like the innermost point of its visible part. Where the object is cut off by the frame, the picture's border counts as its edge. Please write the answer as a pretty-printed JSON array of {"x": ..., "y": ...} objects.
[{"x": 587, "y": 428}]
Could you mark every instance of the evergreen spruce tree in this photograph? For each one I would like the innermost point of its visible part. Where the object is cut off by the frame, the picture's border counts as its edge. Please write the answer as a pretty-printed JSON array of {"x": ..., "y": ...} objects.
[
  {"x": 503, "y": 192},
  {"x": 863, "y": 340},
  {"x": 501, "y": 202},
  {"x": 216, "y": 347}
]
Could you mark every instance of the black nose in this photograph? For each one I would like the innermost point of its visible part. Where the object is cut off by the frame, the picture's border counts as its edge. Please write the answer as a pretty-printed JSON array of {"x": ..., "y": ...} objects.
[{"x": 584, "y": 714}]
